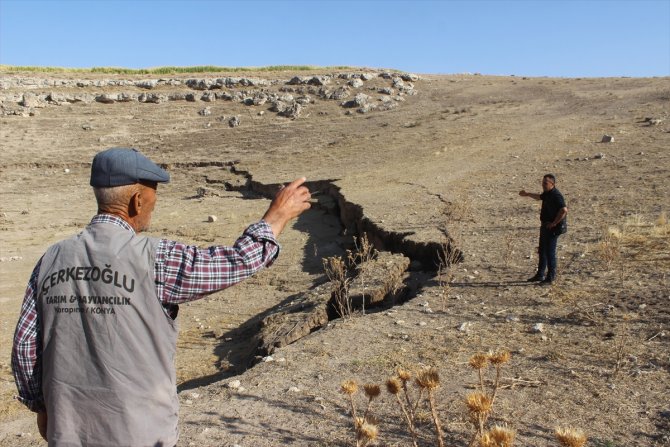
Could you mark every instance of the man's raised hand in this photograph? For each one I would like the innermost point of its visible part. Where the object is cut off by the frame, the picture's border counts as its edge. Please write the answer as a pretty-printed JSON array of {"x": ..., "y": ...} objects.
[{"x": 289, "y": 202}]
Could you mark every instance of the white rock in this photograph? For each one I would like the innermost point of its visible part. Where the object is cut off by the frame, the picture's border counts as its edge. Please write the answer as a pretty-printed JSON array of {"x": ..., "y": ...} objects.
[
  {"x": 512, "y": 318},
  {"x": 66, "y": 170},
  {"x": 212, "y": 218},
  {"x": 422, "y": 323},
  {"x": 294, "y": 389},
  {"x": 194, "y": 395},
  {"x": 464, "y": 327},
  {"x": 537, "y": 328},
  {"x": 399, "y": 322},
  {"x": 233, "y": 384},
  {"x": 269, "y": 358}
]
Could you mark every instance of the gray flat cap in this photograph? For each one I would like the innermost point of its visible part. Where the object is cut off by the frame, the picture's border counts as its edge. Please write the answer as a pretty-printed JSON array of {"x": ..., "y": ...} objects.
[{"x": 120, "y": 166}]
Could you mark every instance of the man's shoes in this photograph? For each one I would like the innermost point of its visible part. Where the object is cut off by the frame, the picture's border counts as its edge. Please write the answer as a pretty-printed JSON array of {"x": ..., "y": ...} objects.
[
  {"x": 535, "y": 278},
  {"x": 546, "y": 282}
]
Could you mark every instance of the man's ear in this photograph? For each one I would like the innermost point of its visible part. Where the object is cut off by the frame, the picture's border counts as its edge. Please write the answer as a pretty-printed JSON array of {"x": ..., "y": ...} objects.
[{"x": 135, "y": 204}]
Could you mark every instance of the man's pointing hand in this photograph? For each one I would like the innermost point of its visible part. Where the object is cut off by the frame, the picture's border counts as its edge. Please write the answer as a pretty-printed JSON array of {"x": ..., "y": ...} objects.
[{"x": 289, "y": 202}]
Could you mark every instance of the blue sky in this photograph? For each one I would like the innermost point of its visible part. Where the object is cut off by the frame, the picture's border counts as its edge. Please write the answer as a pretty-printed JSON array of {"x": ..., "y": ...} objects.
[{"x": 567, "y": 38}]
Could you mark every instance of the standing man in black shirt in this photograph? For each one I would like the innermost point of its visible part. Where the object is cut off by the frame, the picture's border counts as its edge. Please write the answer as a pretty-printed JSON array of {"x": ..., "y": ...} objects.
[{"x": 553, "y": 218}]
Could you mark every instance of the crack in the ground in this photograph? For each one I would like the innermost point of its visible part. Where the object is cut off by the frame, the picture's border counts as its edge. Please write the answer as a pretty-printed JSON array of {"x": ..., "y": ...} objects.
[{"x": 387, "y": 282}]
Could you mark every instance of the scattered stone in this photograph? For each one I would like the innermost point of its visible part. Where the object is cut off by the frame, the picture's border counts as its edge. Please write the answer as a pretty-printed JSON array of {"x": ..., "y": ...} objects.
[
  {"x": 234, "y": 121},
  {"x": 297, "y": 80},
  {"x": 86, "y": 126},
  {"x": 31, "y": 100},
  {"x": 652, "y": 121},
  {"x": 107, "y": 98},
  {"x": 261, "y": 113},
  {"x": 190, "y": 97},
  {"x": 464, "y": 327},
  {"x": 360, "y": 100},
  {"x": 11, "y": 258},
  {"x": 233, "y": 384},
  {"x": 208, "y": 97},
  {"x": 386, "y": 91},
  {"x": 537, "y": 328},
  {"x": 194, "y": 395},
  {"x": 147, "y": 83},
  {"x": 294, "y": 389},
  {"x": 268, "y": 359},
  {"x": 212, "y": 218},
  {"x": 66, "y": 170},
  {"x": 512, "y": 318},
  {"x": 303, "y": 100},
  {"x": 339, "y": 94},
  {"x": 399, "y": 322},
  {"x": 292, "y": 110},
  {"x": 422, "y": 323},
  {"x": 599, "y": 156},
  {"x": 319, "y": 80},
  {"x": 205, "y": 112},
  {"x": 398, "y": 83},
  {"x": 356, "y": 83},
  {"x": 127, "y": 97},
  {"x": 607, "y": 139},
  {"x": 154, "y": 98}
]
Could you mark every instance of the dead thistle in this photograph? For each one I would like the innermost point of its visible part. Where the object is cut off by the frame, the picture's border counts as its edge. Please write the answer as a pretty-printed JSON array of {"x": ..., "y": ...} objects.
[
  {"x": 570, "y": 437},
  {"x": 498, "y": 359},
  {"x": 366, "y": 431},
  {"x": 366, "y": 427},
  {"x": 479, "y": 406},
  {"x": 479, "y": 362},
  {"x": 480, "y": 403},
  {"x": 350, "y": 387},
  {"x": 394, "y": 385},
  {"x": 371, "y": 391},
  {"x": 429, "y": 379}
]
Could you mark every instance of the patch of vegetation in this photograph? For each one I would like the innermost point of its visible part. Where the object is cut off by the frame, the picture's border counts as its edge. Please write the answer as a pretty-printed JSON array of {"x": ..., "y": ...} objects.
[
  {"x": 479, "y": 405},
  {"x": 164, "y": 70}
]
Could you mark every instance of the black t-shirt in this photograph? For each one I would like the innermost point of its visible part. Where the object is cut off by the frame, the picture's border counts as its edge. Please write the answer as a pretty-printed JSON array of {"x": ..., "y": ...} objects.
[{"x": 552, "y": 202}]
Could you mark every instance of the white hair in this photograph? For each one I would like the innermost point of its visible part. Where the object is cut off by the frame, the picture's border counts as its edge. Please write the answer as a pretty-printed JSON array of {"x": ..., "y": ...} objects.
[{"x": 114, "y": 196}]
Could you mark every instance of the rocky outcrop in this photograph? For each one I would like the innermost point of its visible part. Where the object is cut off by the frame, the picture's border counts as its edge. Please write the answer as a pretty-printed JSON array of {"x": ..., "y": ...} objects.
[{"x": 288, "y": 98}]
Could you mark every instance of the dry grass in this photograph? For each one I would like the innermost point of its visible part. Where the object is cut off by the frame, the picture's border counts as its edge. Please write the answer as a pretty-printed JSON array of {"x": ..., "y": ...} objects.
[
  {"x": 336, "y": 272},
  {"x": 358, "y": 259}
]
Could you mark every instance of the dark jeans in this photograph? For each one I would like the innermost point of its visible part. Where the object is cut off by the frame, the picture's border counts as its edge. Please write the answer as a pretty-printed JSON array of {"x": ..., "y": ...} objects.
[{"x": 547, "y": 253}]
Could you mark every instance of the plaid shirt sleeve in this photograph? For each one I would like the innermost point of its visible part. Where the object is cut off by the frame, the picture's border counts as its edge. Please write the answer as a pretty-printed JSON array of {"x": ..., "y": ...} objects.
[
  {"x": 186, "y": 272},
  {"x": 26, "y": 364}
]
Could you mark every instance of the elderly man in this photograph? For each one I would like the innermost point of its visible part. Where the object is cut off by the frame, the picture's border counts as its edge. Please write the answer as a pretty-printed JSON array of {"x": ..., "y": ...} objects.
[
  {"x": 553, "y": 218},
  {"x": 94, "y": 347}
]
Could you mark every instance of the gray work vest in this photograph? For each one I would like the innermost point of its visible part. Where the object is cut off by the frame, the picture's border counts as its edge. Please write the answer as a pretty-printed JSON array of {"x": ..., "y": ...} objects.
[{"x": 108, "y": 347}]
